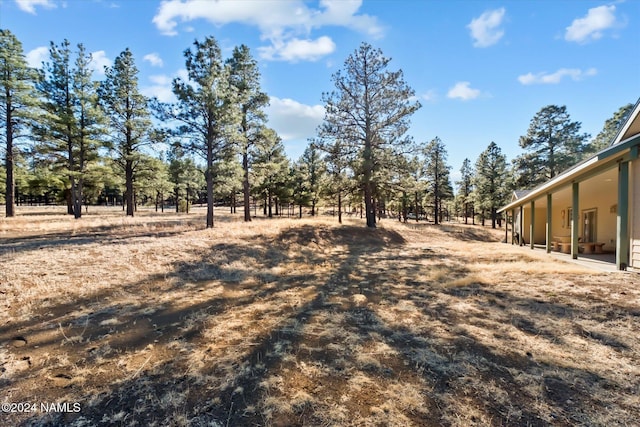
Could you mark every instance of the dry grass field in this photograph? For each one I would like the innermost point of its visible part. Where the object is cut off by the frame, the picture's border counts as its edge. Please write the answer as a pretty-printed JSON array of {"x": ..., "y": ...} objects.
[{"x": 155, "y": 321}]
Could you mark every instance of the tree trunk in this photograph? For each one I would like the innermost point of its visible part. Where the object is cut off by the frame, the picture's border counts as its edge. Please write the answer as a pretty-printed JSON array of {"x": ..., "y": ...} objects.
[
  {"x": 10, "y": 202},
  {"x": 209, "y": 178},
  {"x": 69, "y": 199},
  {"x": 339, "y": 207},
  {"x": 466, "y": 213},
  {"x": 187, "y": 198},
  {"x": 245, "y": 186},
  {"x": 269, "y": 202},
  {"x": 129, "y": 185},
  {"x": 77, "y": 198}
]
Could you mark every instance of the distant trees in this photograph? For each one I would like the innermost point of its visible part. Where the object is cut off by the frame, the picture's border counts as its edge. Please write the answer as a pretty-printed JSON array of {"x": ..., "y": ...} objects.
[
  {"x": 314, "y": 169},
  {"x": 553, "y": 143},
  {"x": 361, "y": 159},
  {"x": 17, "y": 98},
  {"x": 130, "y": 121},
  {"x": 271, "y": 169},
  {"x": 370, "y": 110}
]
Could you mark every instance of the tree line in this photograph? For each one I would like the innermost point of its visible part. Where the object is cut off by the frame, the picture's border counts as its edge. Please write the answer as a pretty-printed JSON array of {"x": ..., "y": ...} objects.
[{"x": 68, "y": 137}]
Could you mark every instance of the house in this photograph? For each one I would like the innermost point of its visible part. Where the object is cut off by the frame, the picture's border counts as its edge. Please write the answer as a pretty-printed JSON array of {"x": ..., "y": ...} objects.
[{"x": 590, "y": 208}]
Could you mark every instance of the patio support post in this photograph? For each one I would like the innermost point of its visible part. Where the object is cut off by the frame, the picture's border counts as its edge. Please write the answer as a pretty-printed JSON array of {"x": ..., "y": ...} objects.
[
  {"x": 506, "y": 226},
  {"x": 513, "y": 225},
  {"x": 575, "y": 219},
  {"x": 548, "y": 230},
  {"x": 521, "y": 223},
  {"x": 622, "y": 235},
  {"x": 532, "y": 224}
]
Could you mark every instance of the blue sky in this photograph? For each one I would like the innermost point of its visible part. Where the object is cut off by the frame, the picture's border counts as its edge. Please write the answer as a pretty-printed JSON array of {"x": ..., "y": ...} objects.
[{"x": 481, "y": 69}]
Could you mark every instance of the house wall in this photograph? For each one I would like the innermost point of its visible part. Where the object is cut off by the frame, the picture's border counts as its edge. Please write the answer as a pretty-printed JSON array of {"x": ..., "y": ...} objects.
[
  {"x": 559, "y": 227},
  {"x": 540, "y": 227},
  {"x": 602, "y": 197},
  {"x": 634, "y": 214}
]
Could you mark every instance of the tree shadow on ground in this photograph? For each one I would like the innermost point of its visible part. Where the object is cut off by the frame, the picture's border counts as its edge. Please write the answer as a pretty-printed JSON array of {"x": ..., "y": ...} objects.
[{"x": 233, "y": 354}]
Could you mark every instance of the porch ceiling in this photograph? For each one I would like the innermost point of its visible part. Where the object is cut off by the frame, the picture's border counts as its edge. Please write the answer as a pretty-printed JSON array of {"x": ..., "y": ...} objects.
[{"x": 562, "y": 197}]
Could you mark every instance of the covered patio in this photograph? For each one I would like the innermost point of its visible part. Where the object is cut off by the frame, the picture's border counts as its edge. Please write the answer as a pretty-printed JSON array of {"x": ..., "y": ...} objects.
[{"x": 588, "y": 209}]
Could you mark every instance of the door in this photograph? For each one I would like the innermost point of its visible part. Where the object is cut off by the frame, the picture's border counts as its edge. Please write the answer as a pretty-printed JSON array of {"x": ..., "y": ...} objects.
[{"x": 589, "y": 222}]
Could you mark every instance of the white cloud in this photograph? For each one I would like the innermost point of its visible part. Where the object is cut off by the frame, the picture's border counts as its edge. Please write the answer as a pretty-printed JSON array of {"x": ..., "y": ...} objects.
[
  {"x": 37, "y": 56},
  {"x": 99, "y": 60},
  {"x": 463, "y": 91},
  {"x": 485, "y": 29},
  {"x": 591, "y": 26},
  {"x": 286, "y": 25},
  {"x": 29, "y": 6},
  {"x": 160, "y": 88},
  {"x": 555, "y": 78},
  {"x": 296, "y": 49},
  {"x": 153, "y": 59},
  {"x": 293, "y": 120},
  {"x": 429, "y": 95}
]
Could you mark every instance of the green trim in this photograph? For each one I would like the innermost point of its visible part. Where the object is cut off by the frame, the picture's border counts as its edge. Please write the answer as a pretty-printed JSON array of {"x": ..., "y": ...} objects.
[
  {"x": 549, "y": 219},
  {"x": 622, "y": 234},
  {"x": 575, "y": 219},
  {"x": 532, "y": 225},
  {"x": 521, "y": 237}
]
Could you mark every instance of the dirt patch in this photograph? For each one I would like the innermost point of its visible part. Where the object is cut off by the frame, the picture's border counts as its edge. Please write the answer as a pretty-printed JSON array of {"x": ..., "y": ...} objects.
[{"x": 287, "y": 323}]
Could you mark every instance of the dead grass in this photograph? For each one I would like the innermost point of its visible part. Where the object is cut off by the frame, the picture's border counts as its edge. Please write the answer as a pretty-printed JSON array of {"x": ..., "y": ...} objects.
[{"x": 154, "y": 320}]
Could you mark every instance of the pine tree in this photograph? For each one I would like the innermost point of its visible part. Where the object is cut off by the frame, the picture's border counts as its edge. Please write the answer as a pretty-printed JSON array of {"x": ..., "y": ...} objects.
[
  {"x": 271, "y": 167},
  {"x": 370, "y": 111},
  {"x": 129, "y": 117},
  {"x": 17, "y": 100},
  {"x": 437, "y": 176},
  {"x": 245, "y": 77},
  {"x": 315, "y": 169},
  {"x": 206, "y": 110},
  {"x": 490, "y": 182},
  {"x": 71, "y": 125},
  {"x": 336, "y": 160},
  {"x": 465, "y": 187},
  {"x": 610, "y": 129},
  {"x": 554, "y": 143}
]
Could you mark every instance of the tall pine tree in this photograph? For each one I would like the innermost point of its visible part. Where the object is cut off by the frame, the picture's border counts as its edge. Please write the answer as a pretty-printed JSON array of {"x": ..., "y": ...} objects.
[
  {"x": 70, "y": 130},
  {"x": 370, "y": 110},
  {"x": 17, "y": 99},
  {"x": 490, "y": 183},
  {"x": 553, "y": 143},
  {"x": 129, "y": 117},
  {"x": 206, "y": 110},
  {"x": 465, "y": 187},
  {"x": 437, "y": 175},
  {"x": 245, "y": 77}
]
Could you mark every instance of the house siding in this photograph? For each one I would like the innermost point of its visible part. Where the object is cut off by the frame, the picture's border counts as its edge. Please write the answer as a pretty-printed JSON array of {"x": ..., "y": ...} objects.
[{"x": 635, "y": 214}]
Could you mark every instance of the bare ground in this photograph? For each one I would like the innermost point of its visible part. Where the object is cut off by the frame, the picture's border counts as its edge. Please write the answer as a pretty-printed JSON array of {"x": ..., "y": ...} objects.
[{"x": 154, "y": 321}]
